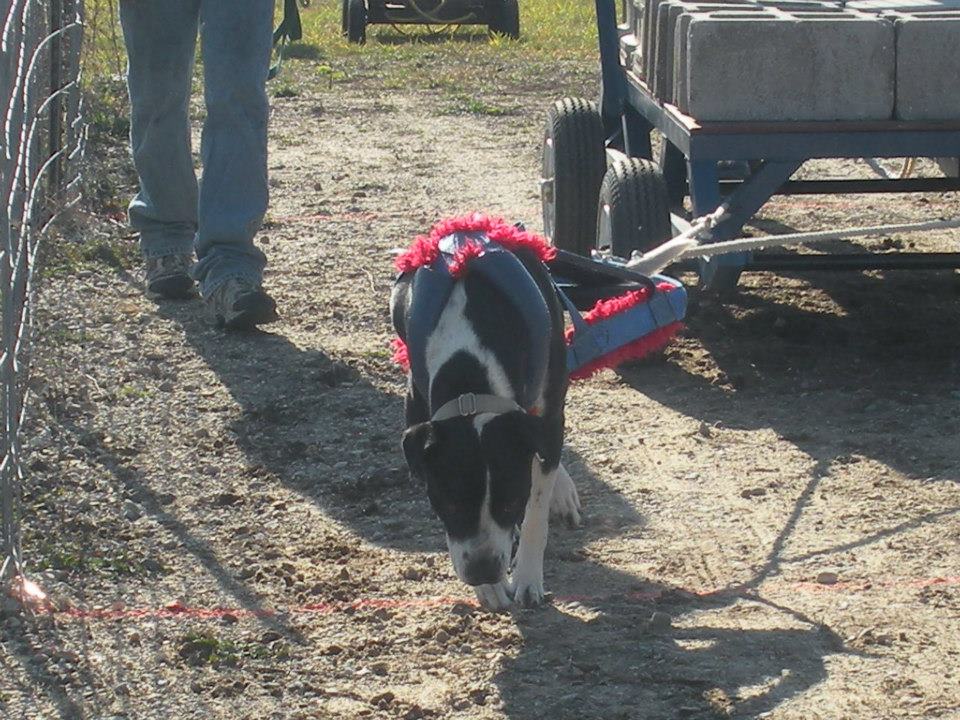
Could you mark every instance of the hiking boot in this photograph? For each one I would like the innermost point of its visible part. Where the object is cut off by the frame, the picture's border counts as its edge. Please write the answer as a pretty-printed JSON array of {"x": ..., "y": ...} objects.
[
  {"x": 241, "y": 305},
  {"x": 168, "y": 276}
]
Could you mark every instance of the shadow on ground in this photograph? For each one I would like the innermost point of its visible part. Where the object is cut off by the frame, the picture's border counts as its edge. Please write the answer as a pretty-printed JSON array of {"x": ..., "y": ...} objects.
[
  {"x": 864, "y": 373},
  {"x": 869, "y": 369},
  {"x": 325, "y": 429}
]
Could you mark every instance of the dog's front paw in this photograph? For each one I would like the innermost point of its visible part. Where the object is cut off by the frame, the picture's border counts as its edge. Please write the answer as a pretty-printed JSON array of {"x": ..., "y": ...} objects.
[
  {"x": 565, "y": 501},
  {"x": 528, "y": 590},
  {"x": 495, "y": 597}
]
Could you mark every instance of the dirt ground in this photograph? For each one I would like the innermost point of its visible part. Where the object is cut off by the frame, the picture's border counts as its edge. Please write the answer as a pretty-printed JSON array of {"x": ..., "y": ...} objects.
[{"x": 226, "y": 526}]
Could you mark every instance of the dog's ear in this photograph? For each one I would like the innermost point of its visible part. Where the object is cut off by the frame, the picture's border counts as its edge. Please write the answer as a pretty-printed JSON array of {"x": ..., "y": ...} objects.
[
  {"x": 517, "y": 430},
  {"x": 419, "y": 441}
]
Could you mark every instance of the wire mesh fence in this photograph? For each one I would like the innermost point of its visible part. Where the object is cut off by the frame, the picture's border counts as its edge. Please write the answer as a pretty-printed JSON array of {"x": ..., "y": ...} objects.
[{"x": 40, "y": 147}]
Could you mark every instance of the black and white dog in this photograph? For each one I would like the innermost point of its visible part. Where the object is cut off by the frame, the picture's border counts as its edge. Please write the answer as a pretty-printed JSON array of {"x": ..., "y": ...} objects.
[{"x": 485, "y": 410}]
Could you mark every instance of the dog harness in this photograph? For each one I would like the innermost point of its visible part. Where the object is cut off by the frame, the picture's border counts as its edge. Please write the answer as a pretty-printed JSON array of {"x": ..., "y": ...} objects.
[
  {"x": 433, "y": 284},
  {"x": 619, "y": 328}
]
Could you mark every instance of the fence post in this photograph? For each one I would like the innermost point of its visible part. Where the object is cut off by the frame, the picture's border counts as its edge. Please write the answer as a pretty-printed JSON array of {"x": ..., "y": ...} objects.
[{"x": 56, "y": 107}]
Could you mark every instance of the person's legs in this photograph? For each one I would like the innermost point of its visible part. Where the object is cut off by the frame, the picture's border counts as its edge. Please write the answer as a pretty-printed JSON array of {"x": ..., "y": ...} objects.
[
  {"x": 161, "y": 40},
  {"x": 237, "y": 40}
]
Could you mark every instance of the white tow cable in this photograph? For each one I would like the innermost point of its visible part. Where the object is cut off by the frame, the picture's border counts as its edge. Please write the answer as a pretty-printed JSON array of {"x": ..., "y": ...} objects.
[{"x": 695, "y": 242}]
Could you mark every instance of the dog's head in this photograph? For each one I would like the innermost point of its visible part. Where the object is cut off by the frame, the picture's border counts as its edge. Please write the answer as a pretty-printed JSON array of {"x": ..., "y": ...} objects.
[{"x": 478, "y": 476}]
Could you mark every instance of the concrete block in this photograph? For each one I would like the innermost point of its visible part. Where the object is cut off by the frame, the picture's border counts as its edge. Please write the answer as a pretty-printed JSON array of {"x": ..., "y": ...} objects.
[
  {"x": 910, "y": 6},
  {"x": 636, "y": 63},
  {"x": 639, "y": 9},
  {"x": 818, "y": 67},
  {"x": 928, "y": 66},
  {"x": 648, "y": 35},
  {"x": 636, "y": 16},
  {"x": 660, "y": 67},
  {"x": 801, "y": 5},
  {"x": 676, "y": 89},
  {"x": 628, "y": 47}
]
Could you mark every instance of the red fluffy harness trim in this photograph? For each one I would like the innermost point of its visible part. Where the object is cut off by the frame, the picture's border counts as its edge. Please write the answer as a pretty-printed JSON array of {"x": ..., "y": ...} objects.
[
  {"x": 426, "y": 248},
  {"x": 635, "y": 350}
]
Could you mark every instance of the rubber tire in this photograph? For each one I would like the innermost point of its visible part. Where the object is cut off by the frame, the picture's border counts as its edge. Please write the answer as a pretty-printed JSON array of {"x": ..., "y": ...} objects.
[
  {"x": 505, "y": 18},
  {"x": 634, "y": 195},
  {"x": 357, "y": 21},
  {"x": 579, "y": 162}
]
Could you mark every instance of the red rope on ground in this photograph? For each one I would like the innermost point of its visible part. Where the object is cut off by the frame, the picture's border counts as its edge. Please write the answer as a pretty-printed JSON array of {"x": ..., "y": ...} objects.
[{"x": 178, "y": 610}]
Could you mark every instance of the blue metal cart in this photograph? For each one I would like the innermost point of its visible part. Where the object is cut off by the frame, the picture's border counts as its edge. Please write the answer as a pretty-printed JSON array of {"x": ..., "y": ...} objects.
[{"x": 601, "y": 186}]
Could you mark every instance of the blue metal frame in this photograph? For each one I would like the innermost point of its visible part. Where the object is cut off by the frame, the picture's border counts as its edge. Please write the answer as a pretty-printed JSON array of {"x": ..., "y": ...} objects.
[{"x": 691, "y": 150}]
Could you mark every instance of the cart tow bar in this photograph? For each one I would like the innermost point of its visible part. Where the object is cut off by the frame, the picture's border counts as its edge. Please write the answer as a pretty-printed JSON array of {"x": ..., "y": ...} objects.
[{"x": 695, "y": 242}]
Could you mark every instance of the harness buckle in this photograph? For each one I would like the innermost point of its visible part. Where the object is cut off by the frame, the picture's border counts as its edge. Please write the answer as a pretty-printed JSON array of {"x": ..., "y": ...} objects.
[{"x": 467, "y": 404}]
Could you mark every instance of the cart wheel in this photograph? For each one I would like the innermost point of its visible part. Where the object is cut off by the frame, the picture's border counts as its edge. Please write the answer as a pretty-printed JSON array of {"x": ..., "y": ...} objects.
[
  {"x": 634, "y": 208},
  {"x": 573, "y": 163},
  {"x": 505, "y": 18},
  {"x": 356, "y": 21}
]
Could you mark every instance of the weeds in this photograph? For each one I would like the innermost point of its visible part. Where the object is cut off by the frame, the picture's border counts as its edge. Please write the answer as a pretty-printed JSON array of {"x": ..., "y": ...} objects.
[
  {"x": 205, "y": 648},
  {"x": 476, "y": 106},
  {"x": 73, "y": 556},
  {"x": 286, "y": 91},
  {"x": 61, "y": 257},
  {"x": 64, "y": 336},
  {"x": 133, "y": 392}
]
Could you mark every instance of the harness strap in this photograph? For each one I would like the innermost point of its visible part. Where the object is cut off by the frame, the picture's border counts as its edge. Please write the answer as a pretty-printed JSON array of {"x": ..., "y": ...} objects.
[
  {"x": 468, "y": 404},
  {"x": 289, "y": 30}
]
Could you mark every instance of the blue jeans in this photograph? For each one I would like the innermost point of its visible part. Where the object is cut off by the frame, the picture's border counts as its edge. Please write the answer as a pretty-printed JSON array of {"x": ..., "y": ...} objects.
[{"x": 220, "y": 216}]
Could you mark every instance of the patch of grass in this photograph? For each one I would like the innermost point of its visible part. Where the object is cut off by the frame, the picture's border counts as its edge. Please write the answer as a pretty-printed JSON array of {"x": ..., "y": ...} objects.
[
  {"x": 477, "y": 106},
  {"x": 133, "y": 392},
  {"x": 330, "y": 75},
  {"x": 376, "y": 354},
  {"x": 549, "y": 29},
  {"x": 304, "y": 51},
  {"x": 64, "y": 336},
  {"x": 205, "y": 648},
  {"x": 72, "y": 556},
  {"x": 286, "y": 91},
  {"x": 62, "y": 257},
  {"x": 552, "y": 32},
  {"x": 103, "y": 54},
  {"x": 107, "y": 108}
]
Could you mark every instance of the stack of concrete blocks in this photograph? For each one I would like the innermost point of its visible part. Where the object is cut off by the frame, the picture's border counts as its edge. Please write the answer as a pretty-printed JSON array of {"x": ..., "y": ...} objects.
[
  {"x": 928, "y": 65},
  {"x": 656, "y": 36},
  {"x": 799, "y": 65},
  {"x": 632, "y": 42},
  {"x": 664, "y": 35},
  {"x": 799, "y": 60}
]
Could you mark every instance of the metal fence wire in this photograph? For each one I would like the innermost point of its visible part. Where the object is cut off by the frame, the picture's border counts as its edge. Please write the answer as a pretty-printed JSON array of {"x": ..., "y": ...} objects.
[{"x": 40, "y": 148}]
